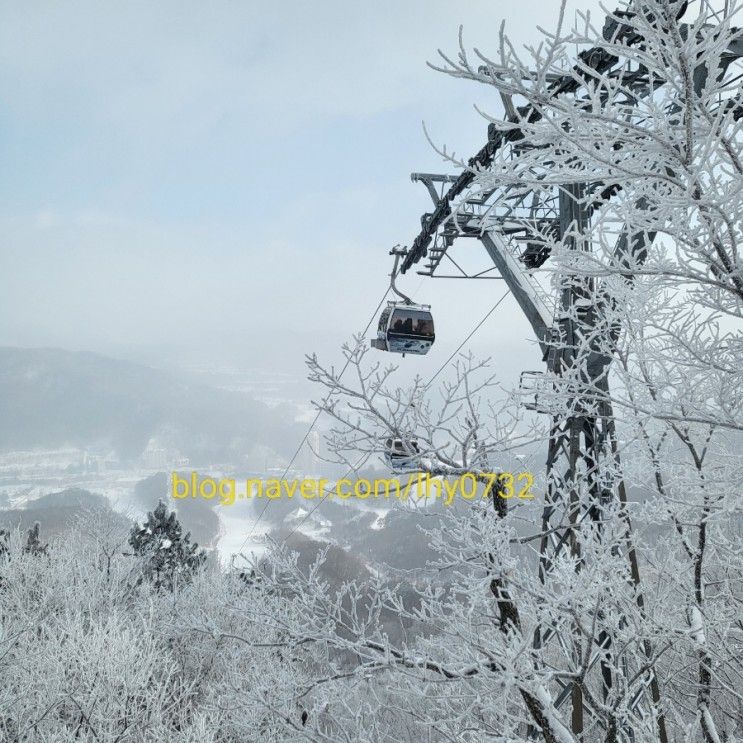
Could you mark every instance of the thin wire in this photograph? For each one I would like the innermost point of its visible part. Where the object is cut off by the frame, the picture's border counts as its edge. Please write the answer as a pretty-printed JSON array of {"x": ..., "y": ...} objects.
[
  {"x": 312, "y": 425},
  {"x": 474, "y": 330},
  {"x": 353, "y": 468},
  {"x": 428, "y": 384}
]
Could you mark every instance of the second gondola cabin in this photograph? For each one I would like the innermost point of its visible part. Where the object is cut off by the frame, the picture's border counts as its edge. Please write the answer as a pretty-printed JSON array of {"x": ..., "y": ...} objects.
[
  {"x": 405, "y": 328},
  {"x": 401, "y": 454}
]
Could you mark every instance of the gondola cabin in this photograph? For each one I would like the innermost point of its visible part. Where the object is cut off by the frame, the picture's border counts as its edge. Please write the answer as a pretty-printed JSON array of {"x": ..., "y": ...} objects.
[
  {"x": 405, "y": 328},
  {"x": 401, "y": 454}
]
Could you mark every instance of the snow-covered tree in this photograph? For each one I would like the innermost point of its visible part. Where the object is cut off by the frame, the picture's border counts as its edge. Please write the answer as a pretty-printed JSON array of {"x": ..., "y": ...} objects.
[
  {"x": 168, "y": 555},
  {"x": 34, "y": 545},
  {"x": 87, "y": 654}
]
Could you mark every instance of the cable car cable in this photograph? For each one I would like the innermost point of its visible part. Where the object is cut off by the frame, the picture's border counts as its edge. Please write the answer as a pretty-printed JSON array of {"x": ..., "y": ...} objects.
[
  {"x": 312, "y": 424},
  {"x": 428, "y": 384},
  {"x": 474, "y": 330}
]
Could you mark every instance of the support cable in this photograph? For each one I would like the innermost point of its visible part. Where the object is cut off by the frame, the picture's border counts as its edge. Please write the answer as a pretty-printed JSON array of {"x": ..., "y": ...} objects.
[{"x": 312, "y": 424}]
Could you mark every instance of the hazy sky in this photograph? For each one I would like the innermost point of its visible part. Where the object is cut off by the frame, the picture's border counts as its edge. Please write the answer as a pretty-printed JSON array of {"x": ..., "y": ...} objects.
[{"x": 226, "y": 178}]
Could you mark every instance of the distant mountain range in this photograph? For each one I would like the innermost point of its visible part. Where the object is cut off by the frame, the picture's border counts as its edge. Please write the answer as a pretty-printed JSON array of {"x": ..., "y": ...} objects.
[
  {"x": 59, "y": 513},
  {"x": 52, "y": 398}
]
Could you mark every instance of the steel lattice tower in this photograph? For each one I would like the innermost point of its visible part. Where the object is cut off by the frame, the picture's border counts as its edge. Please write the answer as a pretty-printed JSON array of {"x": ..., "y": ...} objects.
[{"x": 584, "y": 483}]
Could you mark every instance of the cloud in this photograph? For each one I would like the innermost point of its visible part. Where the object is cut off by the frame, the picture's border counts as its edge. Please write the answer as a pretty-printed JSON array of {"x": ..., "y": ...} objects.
[{"x": 273, "y": 67}]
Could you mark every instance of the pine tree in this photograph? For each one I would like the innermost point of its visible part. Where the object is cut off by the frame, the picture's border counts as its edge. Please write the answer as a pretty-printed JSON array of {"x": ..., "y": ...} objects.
[
  {"x": 168, "y": 555},
  {"x": 33, "y": 543},
  {"x": 4, "y": 542}
]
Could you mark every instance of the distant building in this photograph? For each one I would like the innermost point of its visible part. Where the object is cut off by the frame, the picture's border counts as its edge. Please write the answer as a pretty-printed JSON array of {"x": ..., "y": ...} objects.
[{"x": 159, "y": 457}]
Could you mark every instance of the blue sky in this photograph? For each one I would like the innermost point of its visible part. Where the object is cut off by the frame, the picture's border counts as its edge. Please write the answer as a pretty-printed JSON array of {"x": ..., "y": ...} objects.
[{"x": 229, "y": 176}]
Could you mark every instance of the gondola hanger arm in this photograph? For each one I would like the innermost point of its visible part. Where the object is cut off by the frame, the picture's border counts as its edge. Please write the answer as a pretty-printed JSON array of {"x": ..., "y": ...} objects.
[{"x": 398, "y": 252}]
